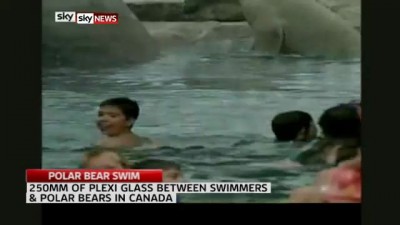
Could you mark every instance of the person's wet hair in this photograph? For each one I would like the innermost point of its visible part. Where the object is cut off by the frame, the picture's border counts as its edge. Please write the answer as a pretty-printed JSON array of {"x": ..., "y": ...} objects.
[
  {"x": 341, "y": 122},
  {"x": 156, "y": 164},
  {"x": 98, "y": 151},
  {"x": 287, "y": 125},
  {"x": 129, "y": 108}
]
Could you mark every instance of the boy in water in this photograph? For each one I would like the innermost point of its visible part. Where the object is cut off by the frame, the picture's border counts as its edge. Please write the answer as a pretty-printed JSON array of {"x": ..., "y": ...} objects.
[
  {"x": 116, "y": 118},
  {"x": 341, "y": 128},
  {"x": 103, "y": 158},
  {"x": 171, "y": 171},
  {"x": 341, "y": 122},
  {"x": 341, "y": 185},
  {"x": 294, "y": 126}
]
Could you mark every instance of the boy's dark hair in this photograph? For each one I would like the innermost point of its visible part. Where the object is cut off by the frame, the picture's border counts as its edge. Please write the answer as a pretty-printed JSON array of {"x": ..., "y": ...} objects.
[
  {"x": 156, "y": 164},
  {"x": 287, "y": 125},
  {"x": 129, "y": 108},
  {"x": 341, "y": 121}
]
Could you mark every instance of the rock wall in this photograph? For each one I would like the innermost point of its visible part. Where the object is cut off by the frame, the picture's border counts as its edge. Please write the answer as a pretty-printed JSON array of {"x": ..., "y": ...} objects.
[
  {"x": 73, "y": 45},
  {"x": 166, "y": 23},
  {"x": 187, "y": 10},
  {"x": 160, "y": 10},
  {"x": 177, "y": 34},
  {"x": 217, "y": 10}
]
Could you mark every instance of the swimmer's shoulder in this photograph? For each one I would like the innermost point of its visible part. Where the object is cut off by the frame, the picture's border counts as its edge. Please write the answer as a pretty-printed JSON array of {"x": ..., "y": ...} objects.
[
  {"x": 118, "y": 142},
  {"x": 105, "y": 143},
  {"x": 146, "y": 143}
]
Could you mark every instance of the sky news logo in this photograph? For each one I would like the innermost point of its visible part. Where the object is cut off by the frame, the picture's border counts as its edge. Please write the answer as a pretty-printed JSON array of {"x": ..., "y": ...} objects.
[{"x": 86, "y": 18}]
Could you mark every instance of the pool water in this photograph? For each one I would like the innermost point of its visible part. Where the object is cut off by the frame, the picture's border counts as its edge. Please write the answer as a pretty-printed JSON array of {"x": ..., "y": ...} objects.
[{"x": 209, "y": 106}]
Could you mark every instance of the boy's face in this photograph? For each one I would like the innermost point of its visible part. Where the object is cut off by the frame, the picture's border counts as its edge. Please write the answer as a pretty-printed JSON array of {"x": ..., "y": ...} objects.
[
  {"x": 106, "y": 160},
  {"x": 111, "y": 121},
  {"x": 172, "y": 176}
]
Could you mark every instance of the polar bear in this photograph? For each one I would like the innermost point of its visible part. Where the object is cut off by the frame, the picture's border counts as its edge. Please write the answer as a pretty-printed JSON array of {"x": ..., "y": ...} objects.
[{"x": 302, "y": 27}]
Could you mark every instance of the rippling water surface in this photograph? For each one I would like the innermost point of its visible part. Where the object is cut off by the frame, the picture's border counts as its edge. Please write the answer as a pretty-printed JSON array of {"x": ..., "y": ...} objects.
[{"x": 210, "y": 108}]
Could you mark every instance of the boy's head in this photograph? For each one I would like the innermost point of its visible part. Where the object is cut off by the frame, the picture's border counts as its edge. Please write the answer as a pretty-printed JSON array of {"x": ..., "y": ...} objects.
[
  {"x": 294, "y": 126},
  {"x": 103, "y": 159},
  {"x": 171, "y": 171},
  {"x": 341, "y": 122},
  {"x": 117, "y": 115},
  {"x": 357, "y": 104}
]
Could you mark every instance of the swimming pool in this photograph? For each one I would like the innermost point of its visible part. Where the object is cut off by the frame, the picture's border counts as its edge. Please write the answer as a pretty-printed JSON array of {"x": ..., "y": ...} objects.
[{"x": 209, "y": 106}]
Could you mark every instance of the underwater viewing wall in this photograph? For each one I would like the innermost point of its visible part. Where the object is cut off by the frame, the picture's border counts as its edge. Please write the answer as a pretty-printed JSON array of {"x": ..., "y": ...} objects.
[{"x": 72, "y": 45}]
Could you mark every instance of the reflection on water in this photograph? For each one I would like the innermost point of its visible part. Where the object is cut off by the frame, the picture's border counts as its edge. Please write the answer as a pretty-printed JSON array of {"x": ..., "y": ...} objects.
[{"x": 210, "y": 111}]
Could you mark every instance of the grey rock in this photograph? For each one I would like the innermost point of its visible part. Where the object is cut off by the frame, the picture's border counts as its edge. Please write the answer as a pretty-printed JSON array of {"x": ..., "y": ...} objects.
[
  {"x": 217, "y": 10},
  {"x": 82, "y": 46},
  {"x": 158, "y": 10}
]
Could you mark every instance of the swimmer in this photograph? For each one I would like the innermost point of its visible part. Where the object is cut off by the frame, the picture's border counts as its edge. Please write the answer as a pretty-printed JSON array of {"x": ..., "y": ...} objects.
[
  {"x": 341, "y": 122},
  {"x": 338, "y": 185},
  {"x": 171, "y": 171},
  {"x": 116, "y": 118},
  {"x": 294, "y": 126},
  {"x": 103, "y": 158},
  {"x": 341, "y": 130}
]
